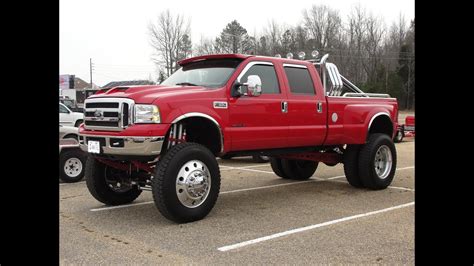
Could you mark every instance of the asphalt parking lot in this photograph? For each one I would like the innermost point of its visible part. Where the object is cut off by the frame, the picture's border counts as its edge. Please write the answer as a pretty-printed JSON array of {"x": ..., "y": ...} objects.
[{"x": 259, "y": 218}]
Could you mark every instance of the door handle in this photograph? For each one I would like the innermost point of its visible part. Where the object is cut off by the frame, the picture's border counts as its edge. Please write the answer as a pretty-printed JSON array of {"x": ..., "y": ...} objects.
[
  {"x": 284, "y": 107},
  {"x": 319, "y": 107}
]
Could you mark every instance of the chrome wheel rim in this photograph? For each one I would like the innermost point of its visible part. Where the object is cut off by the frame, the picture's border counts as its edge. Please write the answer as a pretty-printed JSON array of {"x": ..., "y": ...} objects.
[
  {"x": 193, "y": 183},
  {"x": 73, "y": 167},
  {"x": 383, "y": 161}
]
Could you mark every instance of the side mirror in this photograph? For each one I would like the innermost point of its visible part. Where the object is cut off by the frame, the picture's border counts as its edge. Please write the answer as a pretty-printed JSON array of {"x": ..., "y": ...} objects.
[{"x": 254, "y": 85}]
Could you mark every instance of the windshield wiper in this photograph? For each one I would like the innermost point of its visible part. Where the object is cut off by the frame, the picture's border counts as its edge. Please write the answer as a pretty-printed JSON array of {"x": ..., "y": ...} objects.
[{"x": 186, "y": 84}]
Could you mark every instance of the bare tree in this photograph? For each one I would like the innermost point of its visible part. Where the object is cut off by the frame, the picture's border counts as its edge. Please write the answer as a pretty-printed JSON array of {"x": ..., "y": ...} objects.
[
  {"x": 374, "y": 46},
  {"x": 323, "y": 24},
  {"x": 273, "y": 37},
  {"x": 206, "y": 46},
  {"x": 168, "y": 39}
]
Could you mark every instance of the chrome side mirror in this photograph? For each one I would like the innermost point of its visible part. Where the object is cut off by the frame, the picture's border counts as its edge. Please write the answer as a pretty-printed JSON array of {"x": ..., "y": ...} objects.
[{"x": 254, "y": 86}]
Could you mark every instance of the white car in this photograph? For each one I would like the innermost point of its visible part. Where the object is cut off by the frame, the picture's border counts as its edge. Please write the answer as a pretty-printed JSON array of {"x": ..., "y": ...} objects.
[{"x": 68, "y": 117}]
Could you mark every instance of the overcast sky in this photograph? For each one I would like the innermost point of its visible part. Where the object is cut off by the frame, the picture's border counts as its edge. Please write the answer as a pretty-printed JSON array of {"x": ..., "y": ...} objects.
[{"x": 114, "y": 32}]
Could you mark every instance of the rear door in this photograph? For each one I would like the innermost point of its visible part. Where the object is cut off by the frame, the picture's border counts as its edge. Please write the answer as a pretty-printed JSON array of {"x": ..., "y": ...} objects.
[
  {"x": 258, "y": 122},
  {"x": 306, "y": 107}
]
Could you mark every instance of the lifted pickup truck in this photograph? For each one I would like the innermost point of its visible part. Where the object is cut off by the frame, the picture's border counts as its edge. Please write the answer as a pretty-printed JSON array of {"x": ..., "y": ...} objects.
[{"x": 165, "y": 138}]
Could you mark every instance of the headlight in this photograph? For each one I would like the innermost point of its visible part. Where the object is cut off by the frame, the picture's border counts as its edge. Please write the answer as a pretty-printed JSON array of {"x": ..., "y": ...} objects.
[{"x": 145, "y": 113}]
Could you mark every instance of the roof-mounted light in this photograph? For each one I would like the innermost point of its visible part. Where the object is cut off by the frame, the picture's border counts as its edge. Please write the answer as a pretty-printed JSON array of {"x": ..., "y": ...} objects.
[
  {"x": 289, "y": 55},
  {"x": 314, "y": 54},
  {"x": 301, "y": 55},
  {"x": 278, "y": 55}
]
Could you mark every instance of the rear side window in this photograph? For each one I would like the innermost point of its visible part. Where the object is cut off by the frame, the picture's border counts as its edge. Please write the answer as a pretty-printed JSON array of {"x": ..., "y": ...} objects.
[
  {"x": 267, "y": 75},
  {"x": 300, "y": 80}
]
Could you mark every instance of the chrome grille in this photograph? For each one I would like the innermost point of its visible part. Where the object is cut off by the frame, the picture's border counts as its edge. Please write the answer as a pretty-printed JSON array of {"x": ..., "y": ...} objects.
[{"x": 113, "y": 114}]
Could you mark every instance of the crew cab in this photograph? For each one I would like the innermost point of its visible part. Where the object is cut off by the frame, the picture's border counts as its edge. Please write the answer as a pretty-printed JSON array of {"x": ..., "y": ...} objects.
[{"x": 165, "y": 138}]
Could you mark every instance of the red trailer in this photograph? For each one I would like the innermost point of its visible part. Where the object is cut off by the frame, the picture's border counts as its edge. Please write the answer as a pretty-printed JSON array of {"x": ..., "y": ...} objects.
[{"x": 405, "y": 130}]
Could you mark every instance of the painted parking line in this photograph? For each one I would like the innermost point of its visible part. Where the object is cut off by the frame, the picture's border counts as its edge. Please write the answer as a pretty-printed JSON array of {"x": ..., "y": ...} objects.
[
  {"x": 62, "y": 184},
  {"x": 223, "y": 192},
  {"x": 245, "y": 167},
  {"x": 317, "y": 179},
  {"x": 342, "y": 181},
  {"x": 310, "y": 227}
]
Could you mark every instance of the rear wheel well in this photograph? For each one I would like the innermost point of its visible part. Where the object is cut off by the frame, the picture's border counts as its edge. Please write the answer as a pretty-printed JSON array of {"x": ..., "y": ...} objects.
[
  {"x": 200, "y": 130},
  {"x": 381, "y": 124}
]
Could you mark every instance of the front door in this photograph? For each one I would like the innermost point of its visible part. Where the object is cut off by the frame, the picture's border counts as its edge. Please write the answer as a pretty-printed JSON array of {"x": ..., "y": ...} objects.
[
  {"x": 65, "y": 118},
  {"x": 258, "y": 122}
]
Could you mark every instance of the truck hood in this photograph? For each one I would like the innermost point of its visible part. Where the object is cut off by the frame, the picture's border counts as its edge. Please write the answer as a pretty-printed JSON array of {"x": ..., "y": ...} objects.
[{"x": 147, "y": 94}]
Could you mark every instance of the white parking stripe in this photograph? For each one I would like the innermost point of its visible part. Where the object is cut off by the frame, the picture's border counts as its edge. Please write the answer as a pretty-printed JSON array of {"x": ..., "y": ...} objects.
[
  {"x": 264, "y": 187},
  {"x": 121, "y": 206},
  {"x": 223, "y": 192},
  {"x": 301, "y": 229},
  {"x": 341, "y": 181},
  {"x": 243, "y": 189}
]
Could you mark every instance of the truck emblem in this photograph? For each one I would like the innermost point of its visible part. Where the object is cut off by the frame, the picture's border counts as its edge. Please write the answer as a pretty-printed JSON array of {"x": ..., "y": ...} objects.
[
  {"x": 98, "y": 114},
  {"x": 334, "y": 117},
  {"x": 220, "y": 105}
]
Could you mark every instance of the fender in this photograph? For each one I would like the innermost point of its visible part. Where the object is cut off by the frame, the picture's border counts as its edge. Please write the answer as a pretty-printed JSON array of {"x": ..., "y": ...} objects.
[
  {"x": 198, "y": 114},
  {"x": 358, "y": 120}
]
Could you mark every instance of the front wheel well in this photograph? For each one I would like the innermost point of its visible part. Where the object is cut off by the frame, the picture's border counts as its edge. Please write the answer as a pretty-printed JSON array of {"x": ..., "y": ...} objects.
[
  {"x": 200, "y": 130},
  {"x": 381, "y": 124}
]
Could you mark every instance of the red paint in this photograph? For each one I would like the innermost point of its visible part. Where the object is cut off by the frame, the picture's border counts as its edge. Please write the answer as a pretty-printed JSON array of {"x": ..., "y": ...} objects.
[{"x": 252, "y": 123}]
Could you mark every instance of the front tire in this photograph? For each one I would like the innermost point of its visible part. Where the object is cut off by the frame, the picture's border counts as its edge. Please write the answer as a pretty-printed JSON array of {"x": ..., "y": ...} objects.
[
  {"x": 186, "y": 183},
  {"x": 109, "y": 185},
  {"x": 377, "y": 162}
]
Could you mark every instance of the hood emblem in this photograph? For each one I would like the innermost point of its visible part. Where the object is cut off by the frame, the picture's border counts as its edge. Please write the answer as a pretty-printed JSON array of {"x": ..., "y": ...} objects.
[{"x": 99, "y": 114}]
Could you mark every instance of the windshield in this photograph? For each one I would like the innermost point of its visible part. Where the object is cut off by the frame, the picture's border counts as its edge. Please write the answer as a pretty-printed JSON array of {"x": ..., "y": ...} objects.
[
  {"x": 68, "y": 103},
  {"x": 208, "y": 73}
]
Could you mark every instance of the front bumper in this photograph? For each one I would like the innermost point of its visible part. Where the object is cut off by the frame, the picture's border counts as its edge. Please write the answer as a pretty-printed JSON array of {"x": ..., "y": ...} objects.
[{"x": 120, "y": 145}]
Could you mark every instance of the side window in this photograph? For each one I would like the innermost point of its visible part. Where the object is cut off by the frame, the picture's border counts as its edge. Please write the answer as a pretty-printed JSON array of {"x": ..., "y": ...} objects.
[
  {"x": 63, "y": 110},
  {"x": 268, "y": 76},
  {"x": 300, "y": 80}
]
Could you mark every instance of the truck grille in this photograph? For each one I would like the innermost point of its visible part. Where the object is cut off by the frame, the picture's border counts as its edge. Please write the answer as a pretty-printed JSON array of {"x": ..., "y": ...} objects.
[{"x": 113, "y": 114}]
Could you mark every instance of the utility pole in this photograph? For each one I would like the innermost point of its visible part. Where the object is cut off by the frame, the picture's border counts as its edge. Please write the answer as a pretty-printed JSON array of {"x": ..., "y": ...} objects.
[{"x": 90, "y": 67}]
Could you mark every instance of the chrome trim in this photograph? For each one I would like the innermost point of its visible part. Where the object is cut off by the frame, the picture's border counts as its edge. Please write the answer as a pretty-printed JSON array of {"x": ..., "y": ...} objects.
[
  {"x": 335, "y": 78},
  {"x": 284, "y": 107},
  {"x": 133, "y": 145},
  {"x": 119, "y": 110},
  {"x": 249, "y": 65},
  {"x": 373, "y": 95},
  {"x": 367, "y": 98},
  {"x": 376, "y": 115},
  {"x": 350, "y": 85},
  {"x": 294, "y": 65},
  {"x": 196, "y": 114}
]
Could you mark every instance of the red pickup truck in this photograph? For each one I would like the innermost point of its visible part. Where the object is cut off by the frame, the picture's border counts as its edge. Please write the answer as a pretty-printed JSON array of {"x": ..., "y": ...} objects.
[{"x": 165, "y": 138}]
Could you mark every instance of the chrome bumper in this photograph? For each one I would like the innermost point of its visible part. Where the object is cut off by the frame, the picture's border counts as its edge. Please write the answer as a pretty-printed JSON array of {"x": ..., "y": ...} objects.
[{"x": 138, "y": 146}]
